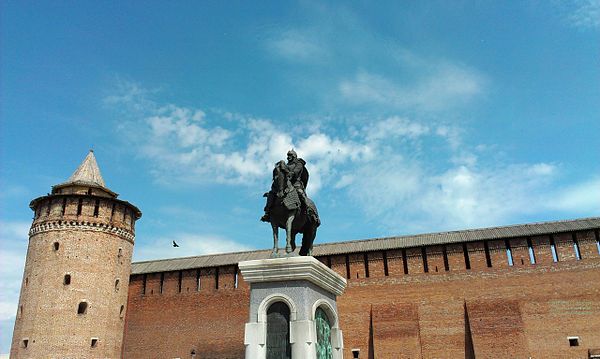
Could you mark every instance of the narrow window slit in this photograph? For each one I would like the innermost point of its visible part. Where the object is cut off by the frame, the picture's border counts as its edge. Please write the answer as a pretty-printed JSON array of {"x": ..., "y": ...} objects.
[
  {"x": 366, "y": 260},
  {"x": 82, "y": 308},
  {"x": 531, "y": 251},
  {"x": 64, "y": 206},
  {"x": 67, "y": 279},
  {"x": 445, "y": 255},
  {"x": 179, "y": 281},
  {"x": 466, "y": 255},
  {"x": 424, "y": 257},
  {"x": 576, "y": 247},
  {"x": 488, "y": 258},
  {"x": 509, "y": 256},
  {"x": 197, "y": 280},
  {"x": 79, "y": 206},
  {"x": 553, "y": 249},
  {"x": 94, "y": 342},
  {"x": 217, "y": 278},
  {"x": 386, "y": 271},
  {"x": 236, "y": 277},
  {"x": 144, "y": 282},
  {"x": 162, "y": 282},
  {"x": 96, "y": 208},
  {"x": 347, "y": 267},
  {"x": 56, "y": 246},
  {"x": 404, "y": 261}
]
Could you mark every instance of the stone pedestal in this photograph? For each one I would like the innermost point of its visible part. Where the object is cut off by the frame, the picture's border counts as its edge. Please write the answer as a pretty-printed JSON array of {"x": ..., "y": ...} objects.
[{"x": 304, "y": 284}]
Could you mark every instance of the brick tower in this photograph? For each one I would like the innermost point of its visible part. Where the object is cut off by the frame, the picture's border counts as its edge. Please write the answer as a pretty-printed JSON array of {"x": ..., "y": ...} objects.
[{"x": 74, "y": 290}]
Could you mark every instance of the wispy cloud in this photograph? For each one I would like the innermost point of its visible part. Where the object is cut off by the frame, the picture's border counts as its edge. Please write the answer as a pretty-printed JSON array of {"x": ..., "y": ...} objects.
[
  {"x": 298, "y": 46},
  {"x": 585, "y": 14},
  {"x": 447, "y": 86},
  {"x": 380, "y": 165}
]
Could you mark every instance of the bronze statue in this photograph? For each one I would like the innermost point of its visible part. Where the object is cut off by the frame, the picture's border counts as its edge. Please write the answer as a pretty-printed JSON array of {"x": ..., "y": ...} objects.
[{"x": 288, "y": 206}]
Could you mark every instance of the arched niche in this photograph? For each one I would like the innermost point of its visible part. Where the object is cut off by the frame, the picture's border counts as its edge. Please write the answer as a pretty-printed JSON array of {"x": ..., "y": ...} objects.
[{"x": 270, "y": 299}]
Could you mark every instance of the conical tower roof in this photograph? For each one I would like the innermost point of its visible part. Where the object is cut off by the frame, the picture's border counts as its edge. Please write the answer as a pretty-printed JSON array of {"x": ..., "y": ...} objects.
[
  {"x": 88, "y": 172},
  {"x": 87, "y": 175}
]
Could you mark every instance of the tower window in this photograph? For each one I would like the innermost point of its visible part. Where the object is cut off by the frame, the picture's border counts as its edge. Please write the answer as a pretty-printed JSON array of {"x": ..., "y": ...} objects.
[
  {"x": 56, "y": 246},
  {"x": 25, "y": 343},
  {"x": 117, "y": 285},
  {"x": 120, "y": 254},
  {"x": 94, "y": 343},
  {"x": 67, "y": 279},
  {"x": 96, "y": 208},
  {"x": 355, "y": 353},
  {"x": 79, "y": 206},
  {"x": 64, "y": 206},
  {"x": 573, "y": 341},
  {"x": 20, "y": 311},
  {"x": 121, "y": 311},
  {"x": 82, "y": 308}
]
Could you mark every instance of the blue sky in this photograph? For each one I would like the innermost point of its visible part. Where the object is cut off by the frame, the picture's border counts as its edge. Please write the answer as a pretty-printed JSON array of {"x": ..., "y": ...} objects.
[{"x": 413, "y": 116}]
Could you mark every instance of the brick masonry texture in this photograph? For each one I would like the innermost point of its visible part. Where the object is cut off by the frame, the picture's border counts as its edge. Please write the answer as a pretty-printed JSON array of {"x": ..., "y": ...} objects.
[
  {"x": 492, "y": 310},
  {"x": 89, "y": 239}
]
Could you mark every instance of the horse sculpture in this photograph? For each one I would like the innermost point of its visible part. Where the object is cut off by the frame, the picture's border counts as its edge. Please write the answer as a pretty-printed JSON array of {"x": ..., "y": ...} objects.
[{"x": 289, "y": 213}]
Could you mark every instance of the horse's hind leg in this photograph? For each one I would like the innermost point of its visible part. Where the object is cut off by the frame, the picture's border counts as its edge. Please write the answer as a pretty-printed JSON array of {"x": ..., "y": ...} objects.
[
  {"x": 275, "y": 251},
  {"x": 289, "y": 234},
  {"x": 307, "y": 241}
]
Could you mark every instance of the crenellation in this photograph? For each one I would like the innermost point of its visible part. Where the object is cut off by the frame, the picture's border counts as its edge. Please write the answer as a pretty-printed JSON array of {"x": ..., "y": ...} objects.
[
  {"x": 587, "y": 244},
  {"x": 415, "y": 261},
  {"x": 477, "y": 257},
  {"x": 338, "y": 264},
  {"x": 357, "y": 266},
  {"x": 435, "y": 259},
  {"x": 376, "y": 265},
  {"x": 456, "y": 257},
  {"x": 520, "y": 252},
  {"x": 564, "y": 247}
]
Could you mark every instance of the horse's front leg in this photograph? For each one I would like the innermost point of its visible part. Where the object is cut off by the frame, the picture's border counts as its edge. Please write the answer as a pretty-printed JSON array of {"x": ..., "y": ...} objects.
[
  {"x": 275, "y": 251},
  {"x": 288, "y": 233}
]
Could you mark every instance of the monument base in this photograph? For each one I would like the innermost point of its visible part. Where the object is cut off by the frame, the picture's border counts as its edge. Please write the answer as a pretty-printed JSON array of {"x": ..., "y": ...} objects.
[{"x": 300, "y": 291}]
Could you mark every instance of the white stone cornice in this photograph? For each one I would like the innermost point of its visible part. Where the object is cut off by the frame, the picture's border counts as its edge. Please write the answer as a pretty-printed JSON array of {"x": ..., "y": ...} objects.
[{"x": 293, "y": 268}]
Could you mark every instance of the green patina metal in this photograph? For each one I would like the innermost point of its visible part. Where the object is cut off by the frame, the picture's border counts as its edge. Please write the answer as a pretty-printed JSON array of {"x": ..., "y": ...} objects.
[
  {"x": 324, "y": 350},
  {"x": 278, "y": 331}
]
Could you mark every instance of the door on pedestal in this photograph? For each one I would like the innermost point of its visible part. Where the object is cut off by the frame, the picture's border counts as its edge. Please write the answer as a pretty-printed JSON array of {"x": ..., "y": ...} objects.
[
  {"x": 323, "y": 324},
  {"x": 278, "y": 331}
]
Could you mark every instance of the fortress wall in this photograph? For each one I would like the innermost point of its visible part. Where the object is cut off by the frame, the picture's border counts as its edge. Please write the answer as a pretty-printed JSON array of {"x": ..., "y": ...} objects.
[{"x": 499, "y": 311}]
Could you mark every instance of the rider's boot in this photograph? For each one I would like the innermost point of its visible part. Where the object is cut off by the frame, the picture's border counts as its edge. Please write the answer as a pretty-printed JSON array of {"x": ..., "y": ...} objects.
[{"x": 266, "y": 217}]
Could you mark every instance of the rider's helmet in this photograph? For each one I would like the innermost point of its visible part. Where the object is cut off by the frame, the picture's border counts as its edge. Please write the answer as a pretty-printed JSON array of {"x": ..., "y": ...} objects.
[{"x": 292, "y": 153}]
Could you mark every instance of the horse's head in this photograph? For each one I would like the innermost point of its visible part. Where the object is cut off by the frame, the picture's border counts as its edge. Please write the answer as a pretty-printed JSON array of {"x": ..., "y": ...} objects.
[{"x": 280, "y": 174}]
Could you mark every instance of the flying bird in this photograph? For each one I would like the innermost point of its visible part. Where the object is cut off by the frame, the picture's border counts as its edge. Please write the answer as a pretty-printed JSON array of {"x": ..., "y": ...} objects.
[{"x": 175, "y": 244}]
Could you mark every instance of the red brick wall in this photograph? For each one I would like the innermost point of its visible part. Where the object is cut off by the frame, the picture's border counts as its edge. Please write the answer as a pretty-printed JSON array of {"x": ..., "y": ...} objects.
[{"x": 519, "y": 311}]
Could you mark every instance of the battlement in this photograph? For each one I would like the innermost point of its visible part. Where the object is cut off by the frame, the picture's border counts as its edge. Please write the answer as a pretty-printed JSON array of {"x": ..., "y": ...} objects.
[
  {"x": 516, "y": 291},
  {"x": 87, "y": 211},
  {"x": 528, "y": 252}
]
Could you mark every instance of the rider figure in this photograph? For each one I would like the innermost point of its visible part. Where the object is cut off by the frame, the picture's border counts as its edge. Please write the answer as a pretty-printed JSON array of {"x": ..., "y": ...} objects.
[{"x": 296, "y": 175}]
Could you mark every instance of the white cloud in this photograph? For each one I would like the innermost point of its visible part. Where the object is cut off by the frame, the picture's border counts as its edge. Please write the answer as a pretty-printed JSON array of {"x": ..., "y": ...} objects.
[
  {"x": 585, "y": 14},
  {"x": 380, "y": 165}
]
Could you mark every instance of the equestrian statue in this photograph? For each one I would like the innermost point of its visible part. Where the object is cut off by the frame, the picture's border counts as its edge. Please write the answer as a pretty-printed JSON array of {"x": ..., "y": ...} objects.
[{"x": 289, "y": 208}]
